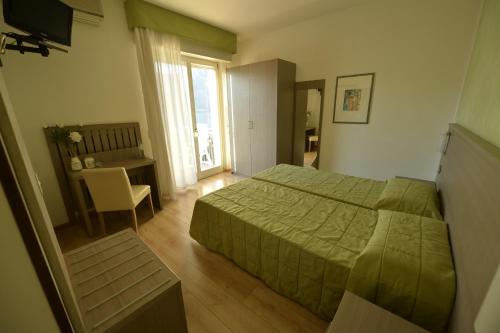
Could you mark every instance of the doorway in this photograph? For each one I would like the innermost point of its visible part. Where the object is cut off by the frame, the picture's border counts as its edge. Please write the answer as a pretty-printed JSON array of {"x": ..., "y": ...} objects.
[
  {"x": 308, "y": 115},
  {"x": 205, "y": 95}
]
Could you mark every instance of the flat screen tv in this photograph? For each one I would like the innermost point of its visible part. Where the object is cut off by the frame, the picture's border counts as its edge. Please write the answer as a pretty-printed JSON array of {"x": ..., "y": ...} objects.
[{"x": 47, "y": 19}]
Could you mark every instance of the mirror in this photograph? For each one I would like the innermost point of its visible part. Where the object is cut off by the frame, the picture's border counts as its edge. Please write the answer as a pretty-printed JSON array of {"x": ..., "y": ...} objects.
[
  {"x": 307, "y": 122},
  {"x": 312, "y": 127}
]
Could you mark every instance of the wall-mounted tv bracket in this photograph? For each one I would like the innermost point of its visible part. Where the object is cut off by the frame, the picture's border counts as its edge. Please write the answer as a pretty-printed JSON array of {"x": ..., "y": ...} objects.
[{"x": 38, "y": 45}]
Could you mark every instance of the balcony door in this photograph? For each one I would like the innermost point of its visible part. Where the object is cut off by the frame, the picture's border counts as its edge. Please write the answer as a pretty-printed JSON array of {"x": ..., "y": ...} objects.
[{"x": 205, "y": 94}]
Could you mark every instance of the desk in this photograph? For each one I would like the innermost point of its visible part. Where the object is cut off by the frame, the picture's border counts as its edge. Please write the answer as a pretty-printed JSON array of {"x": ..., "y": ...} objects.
[
  {"x": 310, "y": 130},
  {"x": 145, "y": 166}
]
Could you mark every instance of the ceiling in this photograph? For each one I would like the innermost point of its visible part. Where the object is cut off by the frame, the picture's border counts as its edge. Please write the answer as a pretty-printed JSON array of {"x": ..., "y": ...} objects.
[{"x": 250, "y": 17}]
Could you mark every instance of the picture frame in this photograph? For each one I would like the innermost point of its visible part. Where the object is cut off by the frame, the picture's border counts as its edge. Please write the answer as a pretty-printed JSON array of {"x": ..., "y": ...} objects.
[{"x": 353, "y": 98}]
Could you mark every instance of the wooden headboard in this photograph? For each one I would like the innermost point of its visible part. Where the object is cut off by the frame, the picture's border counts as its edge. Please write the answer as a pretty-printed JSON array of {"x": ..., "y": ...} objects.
[{"x": 469, "y": 183}]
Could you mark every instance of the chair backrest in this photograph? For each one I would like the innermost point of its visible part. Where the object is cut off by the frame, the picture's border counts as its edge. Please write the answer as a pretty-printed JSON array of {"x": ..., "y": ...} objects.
[
  {"x": 110, "y": 189},
  {"x": 313, "y": 137}
]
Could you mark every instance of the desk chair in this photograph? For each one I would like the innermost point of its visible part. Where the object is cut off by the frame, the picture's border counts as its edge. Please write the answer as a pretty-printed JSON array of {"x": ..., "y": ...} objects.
[
  {"x": 110, "y": 190},
  {"x": 312, "y": 138}
]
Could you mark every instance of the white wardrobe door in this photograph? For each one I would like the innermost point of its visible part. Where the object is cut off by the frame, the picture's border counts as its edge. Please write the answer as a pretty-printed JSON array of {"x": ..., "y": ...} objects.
[
  {"x": 263, "y": 112},
  {"x": 238, "y": 93}
]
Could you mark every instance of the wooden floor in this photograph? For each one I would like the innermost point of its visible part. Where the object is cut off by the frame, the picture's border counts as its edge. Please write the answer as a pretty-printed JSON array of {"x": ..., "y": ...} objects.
[
  {"x": 218, "y": 295},
  {"x": 309, "y": 157}
]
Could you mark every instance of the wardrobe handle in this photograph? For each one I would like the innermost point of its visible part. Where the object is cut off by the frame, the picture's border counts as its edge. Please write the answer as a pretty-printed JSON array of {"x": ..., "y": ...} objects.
[{"x": 250, "y": 124}]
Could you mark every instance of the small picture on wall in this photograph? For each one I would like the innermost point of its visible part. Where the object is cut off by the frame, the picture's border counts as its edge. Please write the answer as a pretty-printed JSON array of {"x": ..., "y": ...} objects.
[{"x": 353, "y": 98}]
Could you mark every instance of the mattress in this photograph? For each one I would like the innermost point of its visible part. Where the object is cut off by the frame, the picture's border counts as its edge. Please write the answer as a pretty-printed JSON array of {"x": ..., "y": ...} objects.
[
  {"x": 301, "y": 245},
  {"x": 353, "y": 190}
]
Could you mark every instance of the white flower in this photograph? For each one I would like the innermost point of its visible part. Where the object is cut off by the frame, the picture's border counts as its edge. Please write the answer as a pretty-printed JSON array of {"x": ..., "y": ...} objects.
[
  {"x": 61, "y": 125},
  {"x": 75, "y": 137}
]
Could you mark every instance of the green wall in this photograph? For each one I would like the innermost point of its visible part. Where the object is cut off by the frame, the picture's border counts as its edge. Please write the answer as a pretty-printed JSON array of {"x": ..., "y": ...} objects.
[{"x": 479, "y": 109}]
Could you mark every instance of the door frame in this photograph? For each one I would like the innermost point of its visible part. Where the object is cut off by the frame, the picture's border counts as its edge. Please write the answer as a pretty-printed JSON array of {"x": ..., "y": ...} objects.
[
  {"x": 306, "y": 85},
  {"x": 27, "y": 204},
  {"x": 30, "y": 239},
  {"x": 198, "y": 61}
]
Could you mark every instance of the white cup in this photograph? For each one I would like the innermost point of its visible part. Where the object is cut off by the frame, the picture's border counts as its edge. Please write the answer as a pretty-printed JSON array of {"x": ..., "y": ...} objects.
[{"x": 89, "y": 162}]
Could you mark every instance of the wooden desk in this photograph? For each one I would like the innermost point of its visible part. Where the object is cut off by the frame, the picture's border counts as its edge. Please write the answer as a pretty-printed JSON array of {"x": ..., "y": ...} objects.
[
  {"x": 310, "y": 131},
  {"x": 356, "y": 315},
  {"x": 145, "y": 166},
  {"x": 122, "y": 286}
]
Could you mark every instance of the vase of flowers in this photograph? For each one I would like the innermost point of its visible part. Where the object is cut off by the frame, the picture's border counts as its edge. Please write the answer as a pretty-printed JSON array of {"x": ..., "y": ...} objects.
[{"x": 70, "y": 139}]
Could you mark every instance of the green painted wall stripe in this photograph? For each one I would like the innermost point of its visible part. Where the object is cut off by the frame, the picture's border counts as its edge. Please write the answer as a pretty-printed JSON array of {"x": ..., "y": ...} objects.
[
  {"x": 479, "y": 109},
  {"x": 146, "y": 15}
]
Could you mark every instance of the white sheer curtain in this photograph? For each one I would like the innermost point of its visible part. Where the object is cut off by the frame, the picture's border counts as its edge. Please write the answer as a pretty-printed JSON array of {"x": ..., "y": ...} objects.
[{"x": 166, "y": 99}]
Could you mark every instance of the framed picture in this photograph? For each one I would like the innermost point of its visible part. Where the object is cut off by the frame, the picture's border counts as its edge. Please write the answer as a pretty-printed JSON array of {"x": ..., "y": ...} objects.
[{"x": 353, "y": 97}]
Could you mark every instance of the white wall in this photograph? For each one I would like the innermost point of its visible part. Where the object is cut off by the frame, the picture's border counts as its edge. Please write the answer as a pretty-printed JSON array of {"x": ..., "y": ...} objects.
[
  {"x": 419, "y": 51},
  {"x": 24, "y": 307},
  {"x": 96, "y": 82}
]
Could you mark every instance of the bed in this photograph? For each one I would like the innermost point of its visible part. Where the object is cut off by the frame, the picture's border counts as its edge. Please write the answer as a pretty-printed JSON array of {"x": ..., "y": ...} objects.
[
  {"x": 311, "y": 243},
  {"x": 354, "y": 190}
]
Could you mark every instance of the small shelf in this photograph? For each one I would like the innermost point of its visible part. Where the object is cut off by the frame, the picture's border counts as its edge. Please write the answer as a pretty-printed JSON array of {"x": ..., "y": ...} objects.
[{"x": 357, "y": 315}]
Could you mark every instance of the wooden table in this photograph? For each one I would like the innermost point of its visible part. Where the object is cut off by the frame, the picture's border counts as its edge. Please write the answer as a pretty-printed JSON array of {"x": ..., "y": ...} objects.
[
  {"x": 357, "y": 315},
  {"x": 122, "y": 286},
  {"x": 145, "y": 166}
]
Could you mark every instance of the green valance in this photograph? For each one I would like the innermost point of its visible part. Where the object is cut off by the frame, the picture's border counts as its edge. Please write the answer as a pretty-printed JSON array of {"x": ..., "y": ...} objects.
[{"x": 146, "y": 15}]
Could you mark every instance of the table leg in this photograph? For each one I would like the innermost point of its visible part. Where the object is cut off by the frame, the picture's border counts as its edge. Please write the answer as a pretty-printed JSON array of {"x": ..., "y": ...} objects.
[
  {"x": 150, "y": 202},
  {"x": 76, "y": 187},
  {"x": 102, "y": 224},
  {"x": 134, "y": 220},
  {"x": 152, "y": 180}
]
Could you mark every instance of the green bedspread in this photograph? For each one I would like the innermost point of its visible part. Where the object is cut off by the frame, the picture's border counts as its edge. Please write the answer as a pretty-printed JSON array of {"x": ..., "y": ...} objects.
[
  {"x": 311, "y": 248},
  {"x": 354, "y": 190},
  {"x": 301, "y": 245},
  {"x": 407, "y": 268}
]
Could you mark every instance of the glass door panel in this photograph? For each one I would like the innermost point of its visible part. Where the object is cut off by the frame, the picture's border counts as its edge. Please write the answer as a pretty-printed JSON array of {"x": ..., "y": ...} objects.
[{"x": 206, "y": 117}]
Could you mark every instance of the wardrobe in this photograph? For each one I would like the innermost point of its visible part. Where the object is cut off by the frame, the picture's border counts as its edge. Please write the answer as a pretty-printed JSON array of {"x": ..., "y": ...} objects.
[{"x": 260, "y": 99}]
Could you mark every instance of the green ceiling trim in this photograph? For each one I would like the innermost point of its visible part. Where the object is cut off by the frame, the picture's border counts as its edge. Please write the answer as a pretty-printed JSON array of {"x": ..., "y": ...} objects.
[{"x": 147, "y": 15}]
